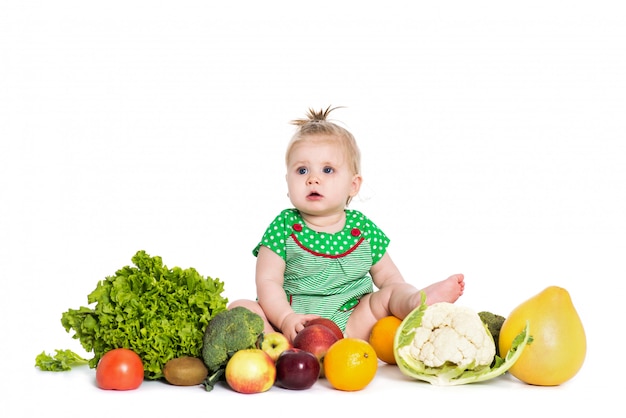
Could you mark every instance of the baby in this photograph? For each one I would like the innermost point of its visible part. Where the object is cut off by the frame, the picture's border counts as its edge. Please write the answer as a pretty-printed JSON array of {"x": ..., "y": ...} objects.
[{"x": 320, "y": 258}]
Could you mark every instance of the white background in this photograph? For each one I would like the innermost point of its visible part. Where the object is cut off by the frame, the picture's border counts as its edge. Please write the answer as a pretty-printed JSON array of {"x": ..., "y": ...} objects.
[{"x": 493, "y": 140}]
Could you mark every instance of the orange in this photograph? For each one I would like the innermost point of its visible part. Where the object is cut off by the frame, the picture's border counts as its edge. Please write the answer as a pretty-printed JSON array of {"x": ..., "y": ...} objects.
[
  {"x": 350, "y": 364},
  {"x": 382, "y": 336}
]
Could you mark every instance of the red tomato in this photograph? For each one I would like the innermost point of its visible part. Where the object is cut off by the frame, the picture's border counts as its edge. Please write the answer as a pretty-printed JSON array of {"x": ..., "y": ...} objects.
[{"x": 119, "y": 369}]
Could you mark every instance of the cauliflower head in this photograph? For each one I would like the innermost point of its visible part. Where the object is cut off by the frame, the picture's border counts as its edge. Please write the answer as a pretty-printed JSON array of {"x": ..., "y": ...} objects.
[
  {"x": 452, "y": 334},
  {"x": 446, "y": 344}
]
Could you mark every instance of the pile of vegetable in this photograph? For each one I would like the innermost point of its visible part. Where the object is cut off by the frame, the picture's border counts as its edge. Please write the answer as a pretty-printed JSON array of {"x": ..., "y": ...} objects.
[
  {"x": 157, "y": 312},
  {"x": 446, "y": 344}
]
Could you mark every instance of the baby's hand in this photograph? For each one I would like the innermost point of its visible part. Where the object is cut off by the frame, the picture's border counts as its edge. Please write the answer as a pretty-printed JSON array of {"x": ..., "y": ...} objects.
[{"x": 294, "y": 323}]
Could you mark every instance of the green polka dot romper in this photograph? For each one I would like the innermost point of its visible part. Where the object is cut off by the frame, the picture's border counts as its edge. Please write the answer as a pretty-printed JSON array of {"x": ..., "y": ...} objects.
[{"x": 326, "y": 273}]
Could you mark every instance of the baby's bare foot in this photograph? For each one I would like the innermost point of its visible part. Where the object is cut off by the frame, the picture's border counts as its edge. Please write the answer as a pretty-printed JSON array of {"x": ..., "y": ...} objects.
[{"x": 448, "y": 290}]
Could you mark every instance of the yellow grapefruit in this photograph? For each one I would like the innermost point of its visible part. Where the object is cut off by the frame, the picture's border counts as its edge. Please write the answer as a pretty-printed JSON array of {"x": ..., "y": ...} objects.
[{"x": 559, "y": 344}]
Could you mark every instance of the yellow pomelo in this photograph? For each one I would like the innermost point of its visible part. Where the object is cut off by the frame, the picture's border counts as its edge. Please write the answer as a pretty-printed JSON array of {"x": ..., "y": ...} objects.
[{"x": 559, "y": 344}]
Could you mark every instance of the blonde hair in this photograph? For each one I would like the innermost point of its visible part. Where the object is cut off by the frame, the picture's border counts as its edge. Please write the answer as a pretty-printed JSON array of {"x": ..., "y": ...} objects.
[{"x": 316, "y": 124}]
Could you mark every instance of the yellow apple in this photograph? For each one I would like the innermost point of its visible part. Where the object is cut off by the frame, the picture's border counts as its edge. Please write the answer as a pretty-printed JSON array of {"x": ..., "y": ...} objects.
[
  {"x": 274, "y": 343},
  {"x": 250, "y": 371}
]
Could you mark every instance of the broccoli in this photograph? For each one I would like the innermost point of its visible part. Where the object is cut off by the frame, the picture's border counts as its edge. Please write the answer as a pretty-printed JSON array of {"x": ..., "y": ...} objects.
[
  {"x": 226, "y": 333},
  {"x": 494, "y": 323}
]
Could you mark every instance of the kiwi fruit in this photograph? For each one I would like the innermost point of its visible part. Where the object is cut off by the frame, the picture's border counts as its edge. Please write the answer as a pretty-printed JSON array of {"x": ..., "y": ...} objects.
[{"x": 185, "y": 371}]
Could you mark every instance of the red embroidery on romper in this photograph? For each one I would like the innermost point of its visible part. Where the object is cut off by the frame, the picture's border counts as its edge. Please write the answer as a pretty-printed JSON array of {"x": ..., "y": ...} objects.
[
  {"x": 355, "y": 232},
  {"x": 297, "y": 227},
  {"x": 327, "y": 255}
]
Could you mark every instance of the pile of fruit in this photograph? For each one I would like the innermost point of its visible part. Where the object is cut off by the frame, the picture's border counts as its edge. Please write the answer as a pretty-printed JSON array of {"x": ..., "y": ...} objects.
[
  {"x": 552, "y": 352},
  {"x": 552, "y": 355},
  {"x": 318, "y": 351}
]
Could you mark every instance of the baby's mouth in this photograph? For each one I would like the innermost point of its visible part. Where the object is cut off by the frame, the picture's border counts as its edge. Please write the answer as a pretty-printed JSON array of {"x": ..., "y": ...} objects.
[{"x": 314, "y": 195}]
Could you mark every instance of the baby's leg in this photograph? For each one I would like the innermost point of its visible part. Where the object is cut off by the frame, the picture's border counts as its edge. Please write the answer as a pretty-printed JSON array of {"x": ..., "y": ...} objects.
[
  {"x": 363, "y": 318},
  {"x": 448, "y": 290},
  {"x": 404, "y": 298},
  {"x": 399, "y": 300}
]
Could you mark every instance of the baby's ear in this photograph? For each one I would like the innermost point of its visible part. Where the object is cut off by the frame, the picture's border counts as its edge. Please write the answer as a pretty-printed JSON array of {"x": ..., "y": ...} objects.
[{"x": 357, "y": 180}]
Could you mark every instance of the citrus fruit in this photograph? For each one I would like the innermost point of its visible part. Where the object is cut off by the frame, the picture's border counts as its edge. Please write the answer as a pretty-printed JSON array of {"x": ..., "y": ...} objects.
[
  {"x": 382, "y": 336},
  {"x": 350, "y": 364},
  {"x": 559, "y": 345}
]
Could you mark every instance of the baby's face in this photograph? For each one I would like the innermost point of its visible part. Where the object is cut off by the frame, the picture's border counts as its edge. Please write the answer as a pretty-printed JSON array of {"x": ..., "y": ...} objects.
[{"x": 319, "y": 178}]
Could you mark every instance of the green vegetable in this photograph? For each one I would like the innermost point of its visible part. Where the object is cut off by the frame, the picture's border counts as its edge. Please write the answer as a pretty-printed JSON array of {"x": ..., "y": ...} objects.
[
  {"x": 157, "y": 312},
  {"x": 430, "y": 336},
  {"x": 63, "y": 360},
  {"x": 494, "y": 324},
  {"x": 228, "y": 332}
]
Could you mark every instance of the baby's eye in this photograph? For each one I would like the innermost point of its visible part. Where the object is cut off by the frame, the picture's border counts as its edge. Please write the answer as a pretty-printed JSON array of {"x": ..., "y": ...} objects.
[
  {"x": 328, "y": 170},
  {"x": 302, "y": 170}
]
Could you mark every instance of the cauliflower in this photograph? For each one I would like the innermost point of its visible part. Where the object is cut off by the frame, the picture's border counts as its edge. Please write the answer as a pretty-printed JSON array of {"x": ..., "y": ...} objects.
[
  {"x": 451, "y": 333},
  {"x": 446, "y": 344}
]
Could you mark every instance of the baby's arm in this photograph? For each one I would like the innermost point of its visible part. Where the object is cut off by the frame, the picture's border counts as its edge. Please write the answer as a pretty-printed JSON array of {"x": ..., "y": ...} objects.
[{"x": 270, "y": 270}]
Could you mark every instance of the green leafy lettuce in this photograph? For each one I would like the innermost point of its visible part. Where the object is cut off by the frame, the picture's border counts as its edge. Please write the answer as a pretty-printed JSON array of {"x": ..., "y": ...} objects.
[
  {"x": 62, "y": 361},
  {"x": 158, "y": 312}
]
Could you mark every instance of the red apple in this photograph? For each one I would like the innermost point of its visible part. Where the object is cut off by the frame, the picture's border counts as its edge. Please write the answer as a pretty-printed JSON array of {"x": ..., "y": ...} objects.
[
  {"x": 297, "y": 369},
  {"x": 250, "y": 371},
  {"x": 315, "y": 339},
  {"x": 328, "y": 323},
  {"x": 274, "y": 343}
]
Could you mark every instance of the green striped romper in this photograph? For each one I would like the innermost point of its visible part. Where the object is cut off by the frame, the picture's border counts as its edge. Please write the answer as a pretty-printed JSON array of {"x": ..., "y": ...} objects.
[{"x": 326, "y": 274}]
